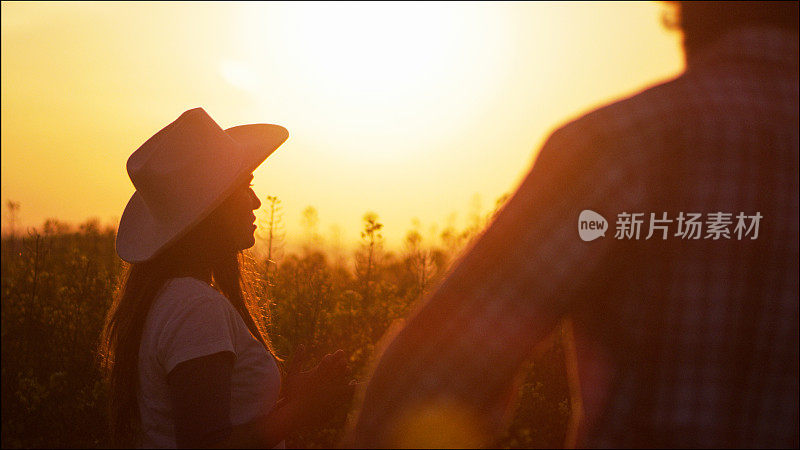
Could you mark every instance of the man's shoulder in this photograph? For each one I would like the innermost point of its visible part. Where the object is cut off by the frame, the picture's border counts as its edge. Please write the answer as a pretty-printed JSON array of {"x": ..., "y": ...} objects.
[{"x": 652, "y": 108}]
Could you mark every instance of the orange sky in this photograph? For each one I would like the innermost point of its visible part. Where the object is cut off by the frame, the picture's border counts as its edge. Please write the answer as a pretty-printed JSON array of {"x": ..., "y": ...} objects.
[{"x": 408, "y": 110}]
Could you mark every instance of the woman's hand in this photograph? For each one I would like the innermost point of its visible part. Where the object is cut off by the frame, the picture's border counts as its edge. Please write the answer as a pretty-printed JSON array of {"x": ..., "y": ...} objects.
[
  {"x": 307, "y": 398},
  {"x": 313, "y": 395}
]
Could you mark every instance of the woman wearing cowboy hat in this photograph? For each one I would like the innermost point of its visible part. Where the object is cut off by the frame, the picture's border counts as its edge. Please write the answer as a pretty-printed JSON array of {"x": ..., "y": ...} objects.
[{"x": 188, "y": 364}]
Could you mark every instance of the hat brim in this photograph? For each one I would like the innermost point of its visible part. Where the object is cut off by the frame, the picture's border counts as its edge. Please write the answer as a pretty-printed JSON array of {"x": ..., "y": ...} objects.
[{"x": 140, "y": 237}]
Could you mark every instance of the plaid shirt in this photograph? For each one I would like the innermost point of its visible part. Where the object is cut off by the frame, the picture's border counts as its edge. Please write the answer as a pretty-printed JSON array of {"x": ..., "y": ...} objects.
[{"x": 700, "y": 335}]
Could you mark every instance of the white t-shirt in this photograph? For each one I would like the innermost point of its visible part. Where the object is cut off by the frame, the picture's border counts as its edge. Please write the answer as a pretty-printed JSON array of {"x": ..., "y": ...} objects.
[{"x": 190, "y": 319}]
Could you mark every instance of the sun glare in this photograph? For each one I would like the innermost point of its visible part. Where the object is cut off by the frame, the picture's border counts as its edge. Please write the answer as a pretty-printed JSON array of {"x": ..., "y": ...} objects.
[
  {"x": 408, "y": 109},
  {"x": 387, "y": 67},
  {"x": 387, "y": 49}
]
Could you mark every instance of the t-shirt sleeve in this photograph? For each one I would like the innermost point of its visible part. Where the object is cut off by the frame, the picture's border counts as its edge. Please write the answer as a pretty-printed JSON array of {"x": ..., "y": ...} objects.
[{"x": 201, "y": 326}]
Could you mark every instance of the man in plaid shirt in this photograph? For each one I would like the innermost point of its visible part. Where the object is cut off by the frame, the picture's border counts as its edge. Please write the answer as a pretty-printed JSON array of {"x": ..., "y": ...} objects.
[{"x": 686, "y": 326}]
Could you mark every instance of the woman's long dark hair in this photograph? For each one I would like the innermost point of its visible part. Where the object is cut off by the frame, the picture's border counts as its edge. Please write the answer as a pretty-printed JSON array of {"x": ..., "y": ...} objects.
[{"x": 202, "y": 248}]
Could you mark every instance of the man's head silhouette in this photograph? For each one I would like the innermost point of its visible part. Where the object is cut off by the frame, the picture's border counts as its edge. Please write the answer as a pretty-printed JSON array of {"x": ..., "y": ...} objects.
[{"x": 704, "y": 21}]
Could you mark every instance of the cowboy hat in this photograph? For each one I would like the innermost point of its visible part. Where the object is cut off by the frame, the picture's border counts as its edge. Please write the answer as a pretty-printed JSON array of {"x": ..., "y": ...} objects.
[{"x": 182, "y": 174}]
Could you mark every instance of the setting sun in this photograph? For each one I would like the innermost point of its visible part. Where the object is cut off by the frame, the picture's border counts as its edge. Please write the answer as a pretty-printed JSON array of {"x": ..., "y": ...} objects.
[
  {"x": 388, "y": 68},
  {"x": 436, "y": 109}
]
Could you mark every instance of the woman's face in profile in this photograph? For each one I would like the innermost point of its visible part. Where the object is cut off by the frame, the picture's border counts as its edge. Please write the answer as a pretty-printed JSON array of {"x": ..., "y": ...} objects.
[{"x": 235, "y": 216}]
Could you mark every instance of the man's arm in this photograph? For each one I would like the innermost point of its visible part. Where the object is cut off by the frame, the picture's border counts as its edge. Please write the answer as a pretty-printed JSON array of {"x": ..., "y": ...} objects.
[{"x": 458, "y": 355}]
